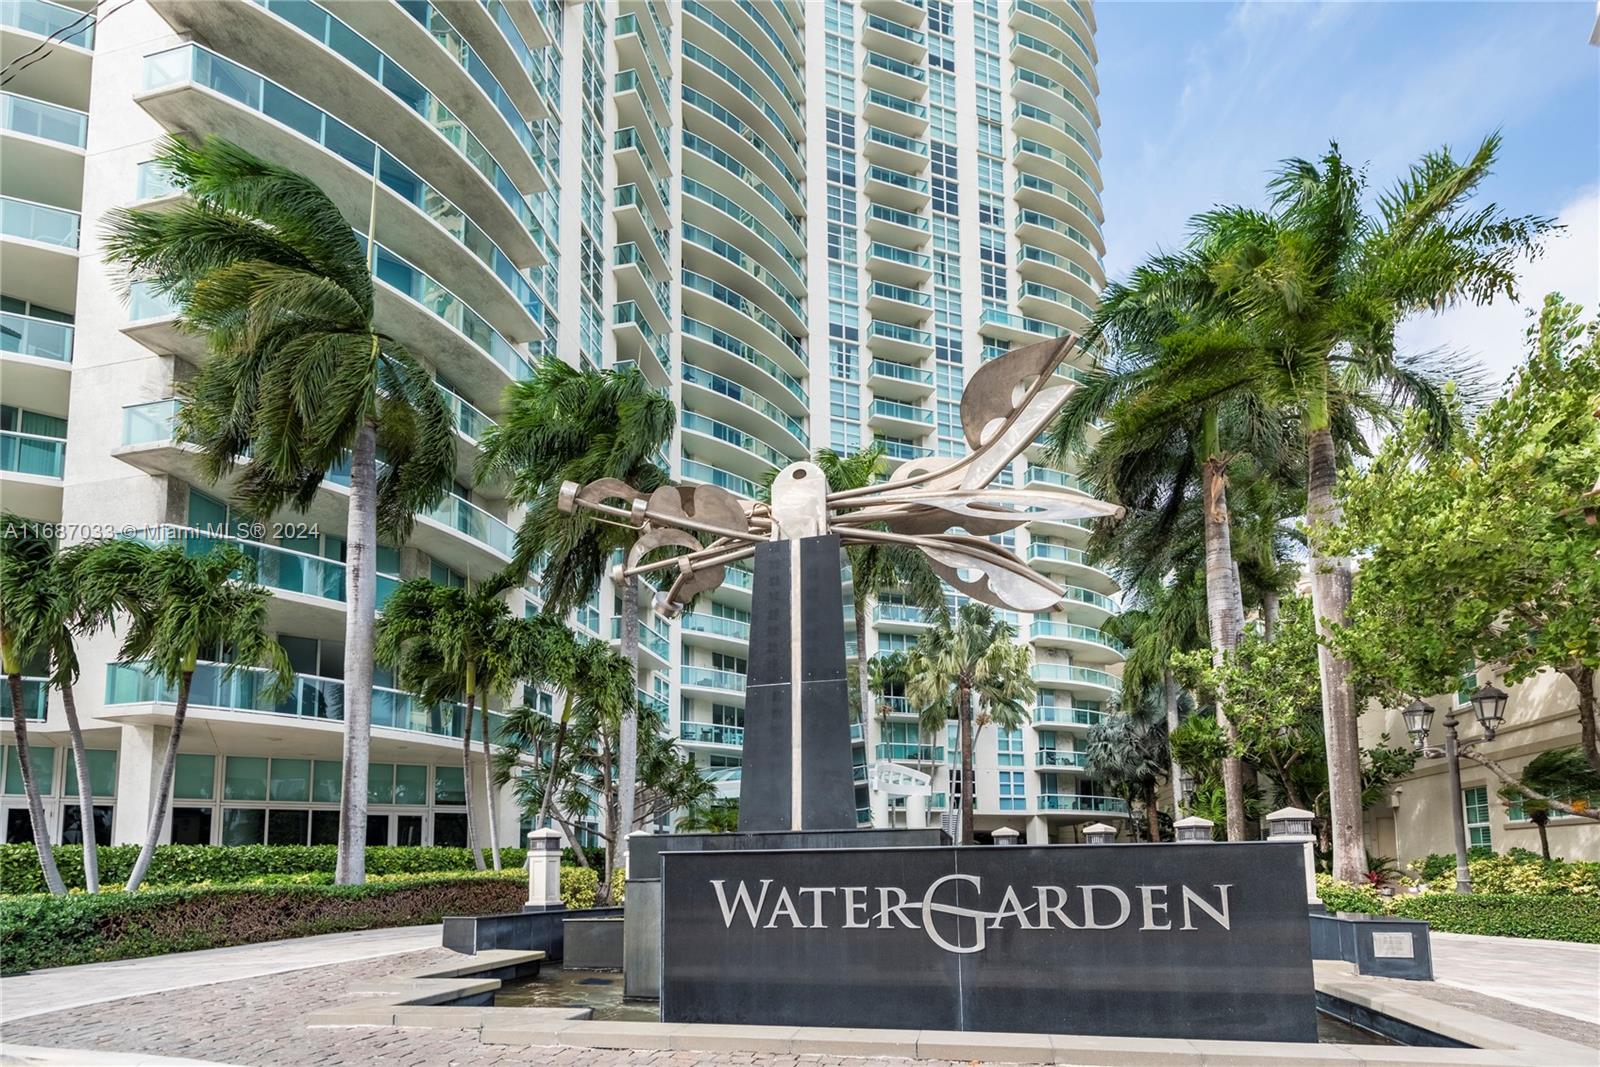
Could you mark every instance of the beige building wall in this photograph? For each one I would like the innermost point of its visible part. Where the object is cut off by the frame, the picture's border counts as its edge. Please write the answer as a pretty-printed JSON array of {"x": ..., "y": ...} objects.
[{"x": 1414, "y": 818}]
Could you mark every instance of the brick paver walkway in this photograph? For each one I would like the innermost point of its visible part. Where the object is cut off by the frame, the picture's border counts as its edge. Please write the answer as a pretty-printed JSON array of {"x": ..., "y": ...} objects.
[{"x": 256, "y": 1022}]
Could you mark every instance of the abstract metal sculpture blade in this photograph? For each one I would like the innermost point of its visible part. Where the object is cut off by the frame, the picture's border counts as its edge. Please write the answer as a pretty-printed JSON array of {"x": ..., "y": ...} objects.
[{"x": 1007, "y": 405}]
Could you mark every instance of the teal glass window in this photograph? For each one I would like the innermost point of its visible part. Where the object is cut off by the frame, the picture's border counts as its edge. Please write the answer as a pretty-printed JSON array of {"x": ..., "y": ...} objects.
[
  {"x": 244, "y": 826},
  {"x": 410, "y": 784},
  {"x": 380, "y": 783},
  {"x": 102, "y": 773},
  {"x": 206, "y": 513},
  {"x": 326, "y": 779},
  {"x": 194, "y": 777},
  {"x": 448, "y": 787},
  {"x": 44, "y": 767},
  {"x": 244, "y": 778},
  {"x": 291, "y": 779}
]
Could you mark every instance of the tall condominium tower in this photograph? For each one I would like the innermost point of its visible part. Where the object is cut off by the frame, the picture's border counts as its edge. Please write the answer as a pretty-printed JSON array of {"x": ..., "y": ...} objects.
[{"x": 808, "y": 223}]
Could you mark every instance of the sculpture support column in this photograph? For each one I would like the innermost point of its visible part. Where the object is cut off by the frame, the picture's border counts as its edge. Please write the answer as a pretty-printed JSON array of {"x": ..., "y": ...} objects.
[{"x": 797, "y": 773}]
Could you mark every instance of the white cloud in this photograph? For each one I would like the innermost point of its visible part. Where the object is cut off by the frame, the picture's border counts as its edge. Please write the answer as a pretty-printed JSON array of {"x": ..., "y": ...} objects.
[{"x": 1493, "y": 334}]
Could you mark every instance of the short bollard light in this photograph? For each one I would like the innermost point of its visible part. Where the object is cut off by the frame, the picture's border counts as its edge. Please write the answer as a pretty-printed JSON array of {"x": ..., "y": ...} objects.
[
  {"x": 627, "y": 852},
  {"x": 1098, "y": 833},
  {"x": 1005, "y": 836},
  {"x": 544, "y": 870},
  {"x": 1193, "y": 829},
  {"x": 1294, "y": 826}
]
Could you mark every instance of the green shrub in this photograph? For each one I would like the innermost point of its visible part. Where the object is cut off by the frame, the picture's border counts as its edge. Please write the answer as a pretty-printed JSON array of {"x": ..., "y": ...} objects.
[
  {"x": 175, "y": 865},
  {"x": 1553, "y": 918},
  {"x": 54, "y": 931},
  {"x": 1341, "y": 896},
  {"x": 1438, "y": 864},
  {"x": 579, "y": 886},
  {"x": 1528, "y": 874}
]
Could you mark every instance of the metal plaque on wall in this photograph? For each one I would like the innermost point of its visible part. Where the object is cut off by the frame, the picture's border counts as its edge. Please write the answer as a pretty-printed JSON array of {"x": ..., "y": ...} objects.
[{"x": 1196, "y": 941}]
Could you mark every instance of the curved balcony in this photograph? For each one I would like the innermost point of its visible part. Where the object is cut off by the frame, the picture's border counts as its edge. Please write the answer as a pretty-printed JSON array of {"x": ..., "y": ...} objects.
[
  {"x": 1048, "y": 268},
  {"x": 636, "y": 281},
  {"x": 1061, "y": 137},
  {"x": 777, "y": 49},
  {"x": 705, "y": 252},
  {"x": 709, "y": 30},
  {"x": 725, "y": 398},
  {"x": 1064, "y": 676},
  {"x": 651, "y": 642},
  {"x": 891, "y": 263},
  {"x": 896, "y": 39},
  {"x": 1054, "y": 479},
  {"x": 901, "y": 752},
  {"x": 710, "y": 735},
  {"x": 733, "y": 448},
  {"x": 733, "y": 311},
  {"x": 1055, "y": 198},
  {"x": 898, "y": 450},
  {"x": 704, "y": 69},
  {"x": 311, "y": 699},
  {"x": 1047, "y": 231},
  {"x": 893, "y": 75},
  {"x": 43, "y": 144},
  {"x": 709, "y": 207},
  {"x": 714, "y": 684},
  {"x": 715, "y": 631},
  {"x": 1039, "y": 300},
  {"x": 726, "y": 173},
  {"x": 1034, "y": 156},
  {"x": 1035, "y": 53},
  {"x": 59, "y": 31},
  {"x": 1057, "y": 716},
  {"x": 637, "y": 212},
  {"x": 1012, "y": 327},
  {"x": 1036, "y": 18},
  {"x": 190, "y": 88},
  {"x": 638, "y": 342},
  {"x": 893, "y": 417},
  {"x": 1084, "y": 803},
  {"x": 901, "y": 381},
  {"x": 703, "y": 115},
  {"x": 721, "y": 352},
  {"x": 40, "y": 245},
  {"x": 1084, "y": 642},
  {"x": 1044, "y": 98},
  {"x": 640, "y": 42},
  {"x": 1059, "y": 759},
  {"x": 1071, "y": 562},
  {"x": 893, "y": 112},
  {"x": 899, "y": 303},
  {"x": 635, "y": 112},
  {"x": 496, "y": 33},
  {"x": 1084, "y": 602},
  {"x": 888, "y": 186},
  {"x": 895, "y": 151},
  {"x": 694, "y": 470}
]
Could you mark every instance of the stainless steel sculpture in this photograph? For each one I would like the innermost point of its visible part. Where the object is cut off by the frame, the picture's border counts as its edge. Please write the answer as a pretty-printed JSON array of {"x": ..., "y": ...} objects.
[{"x": 1008, "y": 403}]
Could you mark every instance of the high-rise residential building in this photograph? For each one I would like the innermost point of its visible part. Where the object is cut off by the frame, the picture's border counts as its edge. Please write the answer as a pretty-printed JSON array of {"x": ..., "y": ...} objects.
[{"x": 809, "y": 223}]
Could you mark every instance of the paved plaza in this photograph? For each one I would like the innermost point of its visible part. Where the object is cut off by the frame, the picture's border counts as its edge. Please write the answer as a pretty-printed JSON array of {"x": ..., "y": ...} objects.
[{"x": 246, "y": 1006}]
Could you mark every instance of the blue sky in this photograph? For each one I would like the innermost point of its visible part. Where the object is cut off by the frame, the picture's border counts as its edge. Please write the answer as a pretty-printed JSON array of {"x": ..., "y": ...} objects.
[{"x": 1200, "y": 100}]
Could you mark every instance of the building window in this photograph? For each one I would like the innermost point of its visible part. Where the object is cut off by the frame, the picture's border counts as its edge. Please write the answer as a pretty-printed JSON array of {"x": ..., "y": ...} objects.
[
  {"x": 1476, "y": 802},
  {"x": 1012, "y": 791},
  {"x": 1008, "y": 747}
]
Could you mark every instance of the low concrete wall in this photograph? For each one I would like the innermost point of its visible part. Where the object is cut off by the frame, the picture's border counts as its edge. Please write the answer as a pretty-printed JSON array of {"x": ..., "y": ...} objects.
[
  {"x": 523, "y": 931},
  {"x": 593, "y": 944},
  {"x": 1379, "y": 946}
]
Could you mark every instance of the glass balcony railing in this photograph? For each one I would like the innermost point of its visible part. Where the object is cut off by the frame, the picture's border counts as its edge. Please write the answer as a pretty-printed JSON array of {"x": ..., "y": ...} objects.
[
  {"x": 1068, "y": 715},
  {"x": 696, "y": 190},
  {"x": 1038, "y": 327},
  {"x": 905, "y": 412},
  {"x": 1080, "y": 595},
  {"x": 1082, "y": 802},
  {"x": 710, "y": 678},
  {"x": 699, "y": 283},
  {"x": 748, "y": 398},
  {"x": 896, "y": 705},
  {"x": 735, "y": 347},
  {"x": 1059, "y": 757},
  {"x": 704, "y": 13},
  {"x": 26, "y": 335},
  {"x": 1073, "y": 632},
  {"x": 891, "y": 612},
  {"x": 147, "y": 423},
  {"x": 459, "y": 49},
  {"x": 649, "y": 639},
  {"x": 31, "y": 453},
  {"x": 1063, "y": 674},
  {"x": 1059, "y": 479},
  {"x": 694, "y": 470},
  {"x": 901, "y": 294},
  {"x": 918, "y": 260},
  {"x": 897, "y": 103},
  {"x": 890, "y": 139},
  {"x": 700, "y": 622},
  {"x": 35, "y": 699},
  {"x": 711, "y": 733},
  {"x": 466, "y": 517},
  {"x": 38, "y": 222},
  {"x": 876, "y": 173},
  {"x": 895, "y": 66},
  {"x": 884, "y": 368},
  {"x": 628, "y": 26},
  {"x": 280, "y": 569},
  {"x": 895, "y": 448},
  {"x": 145, "y": 303},
  {"x": 1058, "y": 553},
  {"x": 697, "y": 423},
  {"x": 894, "y": 331},
  {"x": 47, "y": 20},
  {"x": 1027, "y": 146},
  {"x": 1040, "y": 11},
  {"x": 468, "y": 420},
  {"x": 1034, "y": 254},
  {"x": 48, "y": 122},
  {"x": 191, "y": 63},
  {"x": 739, "y": 578},
  {"x": 877, "y": 22},
  {"x": 894, "y": 750},
  {"x": 310, "y": 697},
  {"x": 694, "y": 235},
  {"x": 154, "y": 182}
]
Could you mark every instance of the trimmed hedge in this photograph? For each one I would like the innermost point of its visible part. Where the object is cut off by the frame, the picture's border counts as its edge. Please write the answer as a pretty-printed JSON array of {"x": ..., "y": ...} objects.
[
  {"x": 175, "y": 865},
  {"x": 1553, "y": 918},
  {"x": 57, "y": 931}
]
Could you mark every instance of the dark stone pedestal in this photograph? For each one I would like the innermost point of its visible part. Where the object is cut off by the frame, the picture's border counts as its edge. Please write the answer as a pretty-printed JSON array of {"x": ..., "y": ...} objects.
[
  {"x": 525, "y": 931},
  {"x": 797, "y": 773},
  {"x": 592, "y": 944},
  {"x": 1379, "y": 945}
]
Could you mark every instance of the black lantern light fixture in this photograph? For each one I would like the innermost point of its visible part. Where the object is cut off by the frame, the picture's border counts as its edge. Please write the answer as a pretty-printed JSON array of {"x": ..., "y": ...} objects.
[
  {"x": 1418, "y": 716},
  {"x": 1489, "y": 704}
]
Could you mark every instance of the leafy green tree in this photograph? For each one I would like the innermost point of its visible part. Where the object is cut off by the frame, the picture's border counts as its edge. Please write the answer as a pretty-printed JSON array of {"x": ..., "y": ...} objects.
[
  {"x": 300, "y": 381},
  {"x": 1482, "y": 553},
  {"x": 183, "y": 607},
  {"x": 970, "y": 667},
  {"x": 1128, "y": 753},
  {"x": 712, "y": 817},
  {"x": 1562, "y": 775},
  {"x": 567, "y": 424},
  {"x": 1320, "y": 282},
  {"x": 449, "y": 644}
]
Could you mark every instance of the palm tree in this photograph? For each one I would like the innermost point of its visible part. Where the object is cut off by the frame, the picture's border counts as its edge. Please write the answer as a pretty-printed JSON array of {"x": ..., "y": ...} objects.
[
  {"x": 1560, "y": 774},
  {"x": 886, "y": 671},
  {"x": 570, "y": 425},
  {"x": 1321, "y": 282},
  {"x": 971, "y": 657},
  {"x": 300, "y": 381},
  {"x": 447, "y": 644},
  {"x": 183, "y": 607},
  {"x": 30, "y": 614},
  {"x": 1128, "y": 752}
]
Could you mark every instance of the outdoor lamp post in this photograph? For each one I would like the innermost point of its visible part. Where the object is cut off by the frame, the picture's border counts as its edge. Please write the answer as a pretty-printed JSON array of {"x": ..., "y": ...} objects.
[
  {"x": 1193, "y": 829},
  {"x": 1186, "y": 787},
  {"x": 1294, "y": 826},
  {"x": 1489, "y": 707}
]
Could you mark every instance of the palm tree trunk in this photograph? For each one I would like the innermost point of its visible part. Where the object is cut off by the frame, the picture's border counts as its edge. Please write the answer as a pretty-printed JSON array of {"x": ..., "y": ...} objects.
[
  {"x": 1544, "y": 835},
  {"x": 1269, "y": 614},
  {"x": 1169, "y": 695},
  {"x": 1330, "y": 599},
  {"x": 169, "y": 761},
  {"x": 30, "y": 786},
  {"x": 1151, "y": 814},
  {"x": 609, "y": 818},
  {"x": 466, "y": 783},
  {"x": 862, "y": 691},
  {"x": 1583, "y": 677},
  {"x": 964, "y": 703},
  {"x": 80, "y": 757},
  {"x": 1223, "y": 613},
  {"x": 489, "y": 790},
  {"x": 628, "y": 734},
  {"x": 546, "y": 803},
  {"x": 361, "y": 595}
]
